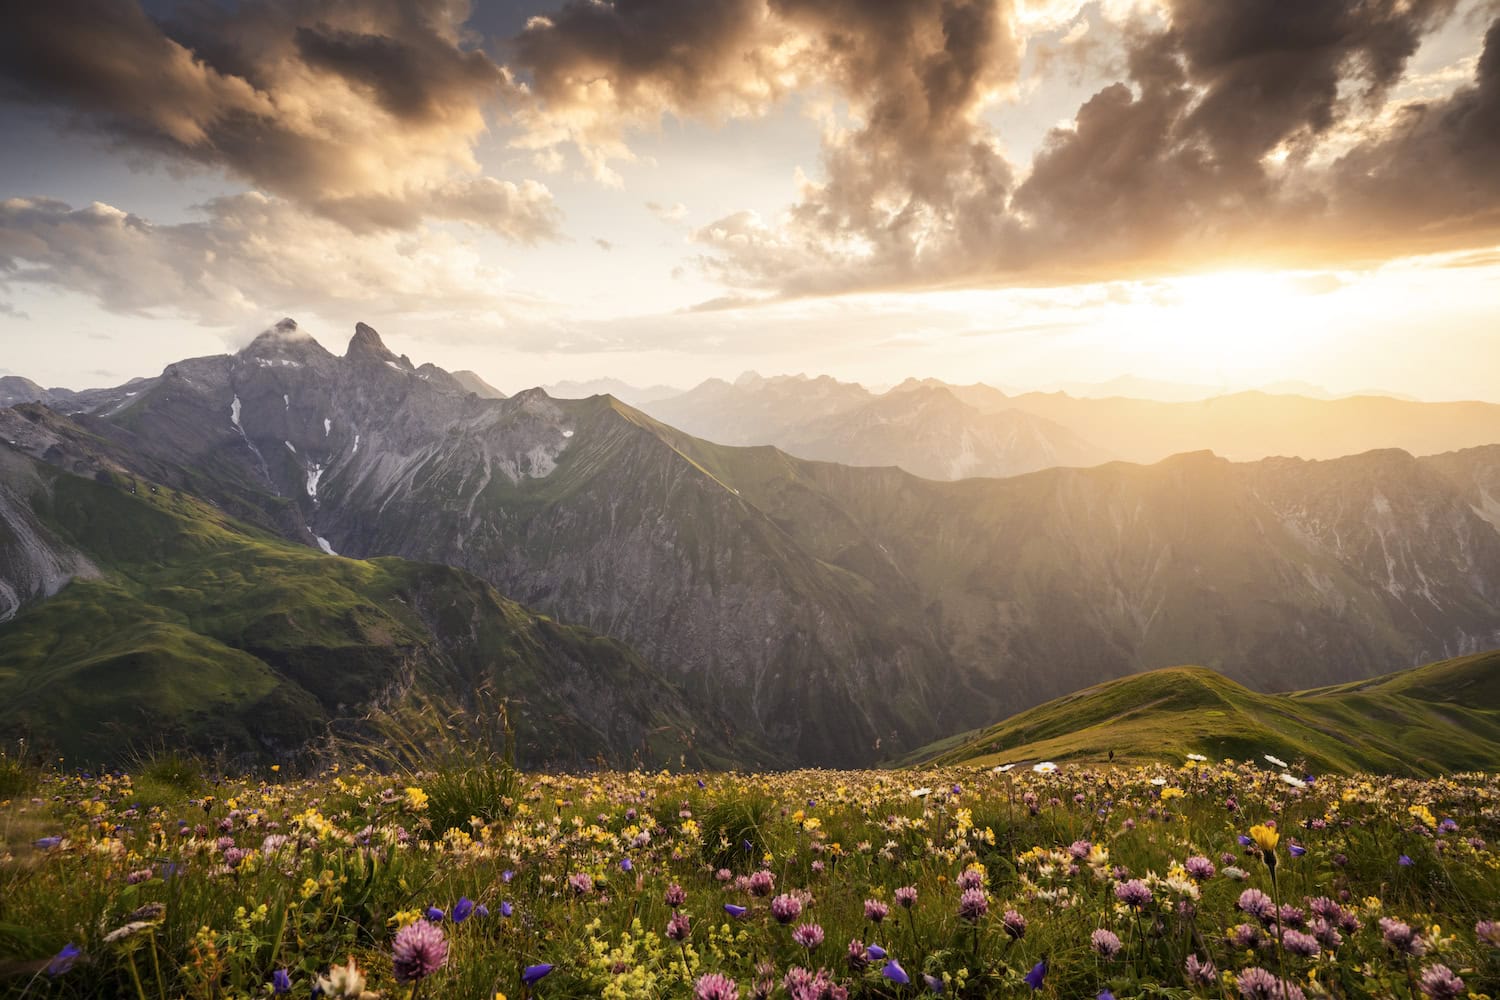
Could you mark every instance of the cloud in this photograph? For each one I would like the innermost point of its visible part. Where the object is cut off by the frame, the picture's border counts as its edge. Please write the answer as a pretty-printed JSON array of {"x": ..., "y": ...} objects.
[
  {"x": 672, "y": 213},
  {"x": 1238, "y": 133},
  {"x": 248, "y": 256},
  {"x": 365, "y": 113}
]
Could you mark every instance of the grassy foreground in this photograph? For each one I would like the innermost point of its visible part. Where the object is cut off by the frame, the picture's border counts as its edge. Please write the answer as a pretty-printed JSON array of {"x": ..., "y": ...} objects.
[{"x": 1161, "y": 880}]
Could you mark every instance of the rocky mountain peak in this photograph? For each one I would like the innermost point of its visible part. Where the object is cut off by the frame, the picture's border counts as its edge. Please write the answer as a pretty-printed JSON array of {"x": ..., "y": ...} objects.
[
  {"x": 285, "y": 342},
  {"x": 366, "y": 345}
]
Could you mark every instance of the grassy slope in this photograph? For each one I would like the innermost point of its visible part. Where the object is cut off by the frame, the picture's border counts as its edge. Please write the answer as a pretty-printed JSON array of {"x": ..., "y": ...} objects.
[
  {"x": 1432, "y": 719},
  {"x": 207, "y": 633}
]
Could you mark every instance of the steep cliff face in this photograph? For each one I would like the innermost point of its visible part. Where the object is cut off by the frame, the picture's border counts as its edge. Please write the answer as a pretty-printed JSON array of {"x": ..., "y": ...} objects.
[{"x": 36, "y": 561}]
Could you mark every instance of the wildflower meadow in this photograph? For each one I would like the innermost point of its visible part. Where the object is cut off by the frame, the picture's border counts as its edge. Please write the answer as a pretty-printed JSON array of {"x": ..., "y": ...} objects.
[{"x": 1189, "y": 878}]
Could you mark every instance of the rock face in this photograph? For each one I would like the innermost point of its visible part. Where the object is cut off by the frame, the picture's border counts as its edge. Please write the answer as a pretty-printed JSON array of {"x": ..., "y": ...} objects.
[
  {"x": 841, "y": 613},
  {"x": 36, "y": 561}
]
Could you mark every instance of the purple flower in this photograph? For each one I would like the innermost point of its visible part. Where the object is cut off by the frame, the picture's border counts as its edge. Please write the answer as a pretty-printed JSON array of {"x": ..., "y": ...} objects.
[
  {"x": 1105, "y": 943},
  {"x": 1036, "y": 975},
  {"x": 434, "y": 914},
  {"x": 1400, "y": 938},
  {"x": 761, "y": 883},
  {"x": 875, "y": 951},
  {"x": 1488, "y": 932},
  {"x": 859, "y": 955},
  {"x": 281, "y": 982},
  {"x": 1404, "y": 861},
  {"x": 506, "y": 909},
  {"x": 1257, "y": 904},
  {"x": 532, "y": 973},
  {"x": 1199, "y": 867},
  {"x": 1200, "y": 973},
  {"x": 679, "y": 927},
  {"x": 970, "y": 879},
  {"x": 713, "y": 986},
  {"x": 1105, "y": 994},
  {"x": 895, "y": 973},
  {"x": 973, "y": 905},
  {"x": 463, "y": 909},
  {"x": 933, "y": 983},
  {"x": 420, "y": 949},
  {"x": 1245, "y": 936},
  {"x": 875, "y": 910},
  {"x": 808, "y": 936},
  {"x": 626, "y": 865},
  {"x": 582, "y": 883},
  {"x": 1134, "y": 893},
  {"x": 1296, "y": 850},
  {"x": 63, "y": 960},
  {"x": 735, "y": 911},
  {"x": 1257, "y": 984},
  {"x": 786, "y": 908},
  {"x": 676, "y": 895},
  {"x": 1300, "y": 944},
  {"x": 47, "y": 843},
  {"x": 1014, "y": 924},
  {"x": 507, "y": 875},
  {"x": 1439, "y": 983},
  {"x": 906, "y": 896}
]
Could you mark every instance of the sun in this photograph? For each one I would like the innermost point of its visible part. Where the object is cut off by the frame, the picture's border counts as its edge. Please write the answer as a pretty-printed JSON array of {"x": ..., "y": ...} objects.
[{"x": 1231, "y": 325}]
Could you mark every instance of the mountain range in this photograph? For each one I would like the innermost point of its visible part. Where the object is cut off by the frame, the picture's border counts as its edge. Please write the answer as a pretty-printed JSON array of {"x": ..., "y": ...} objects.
[
  {"x": 945, "y": 431},
  {"x": 836, "y": 613}
]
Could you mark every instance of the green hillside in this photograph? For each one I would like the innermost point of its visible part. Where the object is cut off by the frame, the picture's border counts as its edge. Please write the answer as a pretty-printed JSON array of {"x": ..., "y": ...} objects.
[
  {"x": 1433, "y": 719},
  {"x": 205, "y": 633}
]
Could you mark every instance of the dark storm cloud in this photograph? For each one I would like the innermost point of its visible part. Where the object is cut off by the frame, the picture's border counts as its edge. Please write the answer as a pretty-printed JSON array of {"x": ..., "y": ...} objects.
[
  {"x": 1172, "y": 164},
  {"x": 365, "y": 112},
  {"x": 1241, "y": 132}
]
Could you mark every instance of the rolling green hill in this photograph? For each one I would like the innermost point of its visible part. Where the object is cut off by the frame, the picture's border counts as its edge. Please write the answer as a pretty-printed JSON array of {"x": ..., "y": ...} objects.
[
  {"x": 202, "y": 632},
  {"x": 1438, "y": 718}
]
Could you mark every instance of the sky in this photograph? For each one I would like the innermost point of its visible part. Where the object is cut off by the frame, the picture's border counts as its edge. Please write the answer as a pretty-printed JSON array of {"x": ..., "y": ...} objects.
[{"x": 1032, "y": 193}]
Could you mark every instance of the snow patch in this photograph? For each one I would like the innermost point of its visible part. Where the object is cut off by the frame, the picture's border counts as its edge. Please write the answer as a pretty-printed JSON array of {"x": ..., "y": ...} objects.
[
  {"x": 355, "y": 451},
  {"x": 567, "y": 434},
  {"x": 323, "y": 544},
  {"x": 287, "y": 400},
  {"x": 327, "y": 426},
  {"x": 392, "y": 364},
  {"x": 290, "y": 447},
  {"x": 313, "y": 475},
  {"x": 234, "y": 411}
]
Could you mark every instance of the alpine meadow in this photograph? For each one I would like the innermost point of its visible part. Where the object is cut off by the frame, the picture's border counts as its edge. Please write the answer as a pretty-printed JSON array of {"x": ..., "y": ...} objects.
[{"x": 750, "y": 499}]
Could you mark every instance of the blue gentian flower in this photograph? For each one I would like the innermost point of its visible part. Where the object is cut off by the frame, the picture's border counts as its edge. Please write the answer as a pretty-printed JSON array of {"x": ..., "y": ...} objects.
[
  {"x": 281, "y": 982},
  {"x": 1404, "y": 861},
  {"x": 532, "y": 973},
  {"x": 875, "y": 951},
  {"x": 626, "y": 865},
  {"x": 462, "y": 910},
  {"x": 735, "y": 911},
  {"x": 1037, "y": 974},
  {"x": 506, "y": 909},
  {"x": 895, "y": 973},
  {"x": 933, "y": 983},
  {"x": 435, "y": 915},
  {"x": 63, "y": 960}
]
